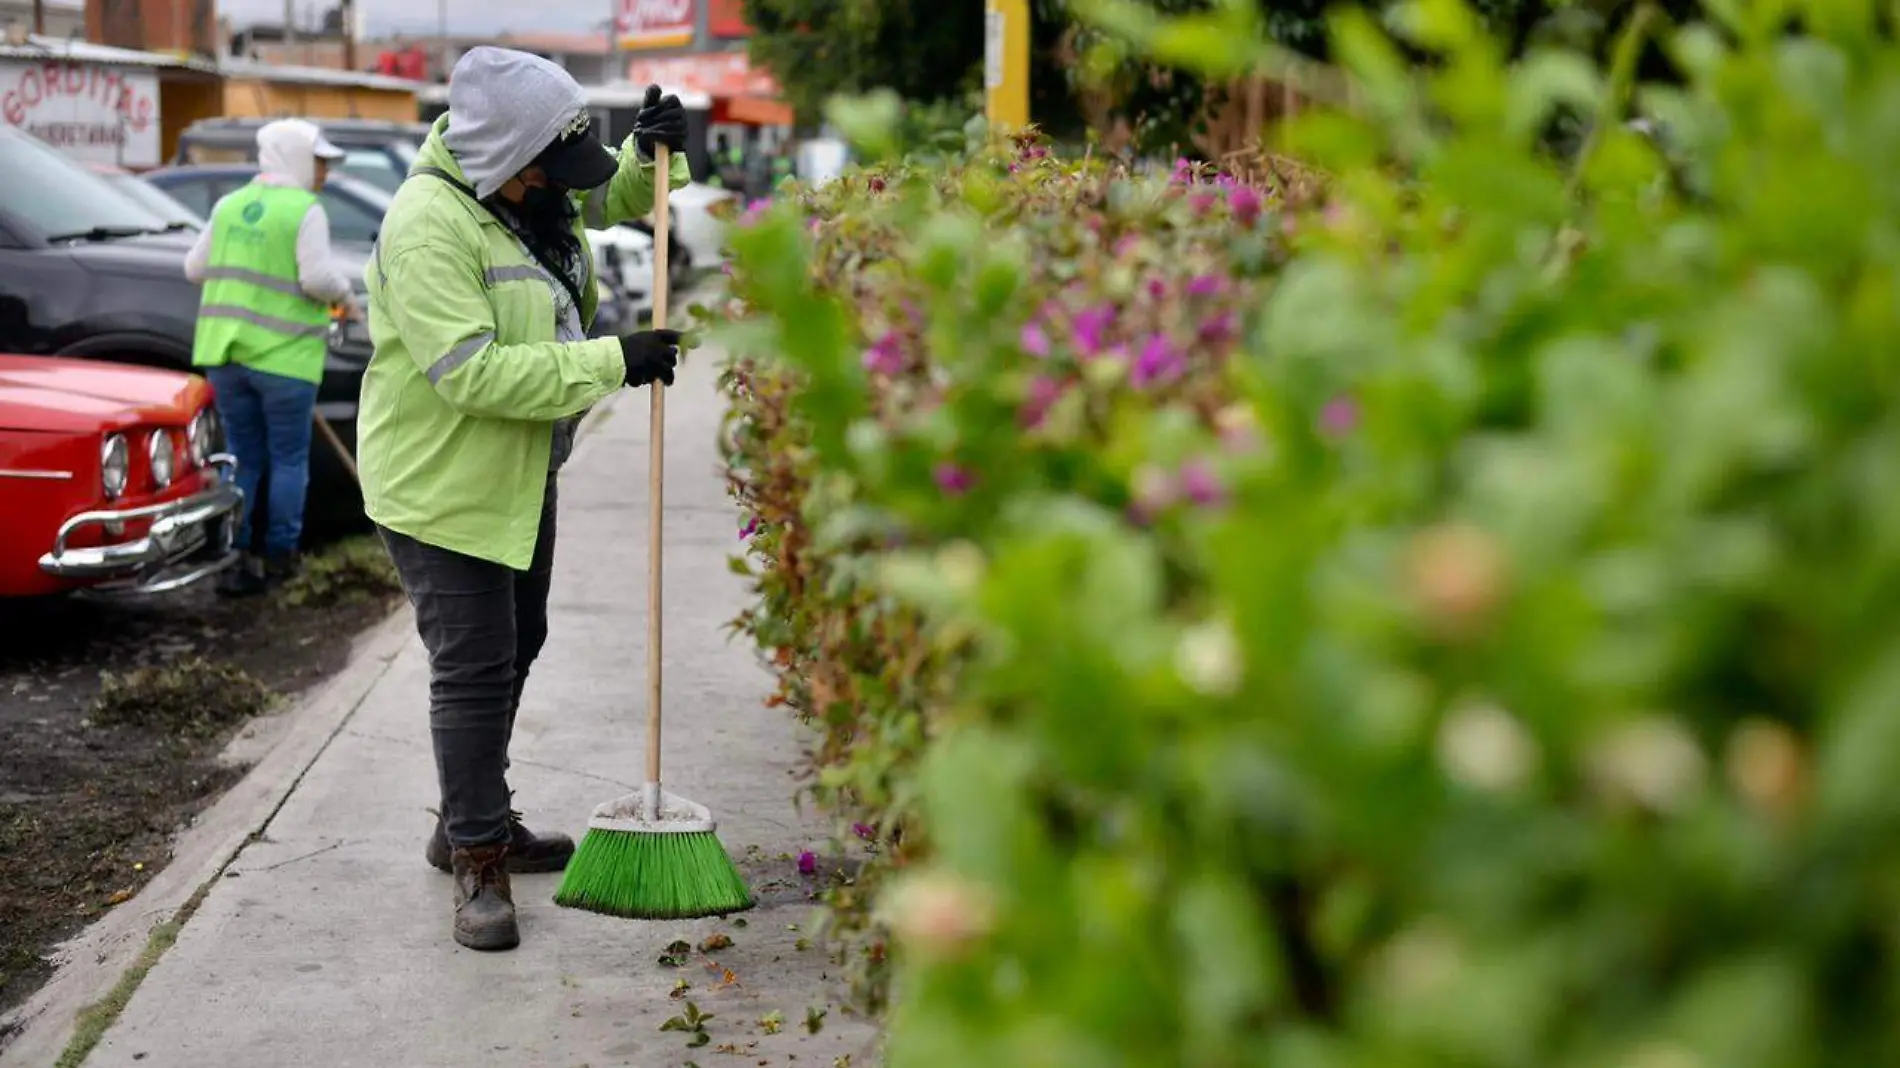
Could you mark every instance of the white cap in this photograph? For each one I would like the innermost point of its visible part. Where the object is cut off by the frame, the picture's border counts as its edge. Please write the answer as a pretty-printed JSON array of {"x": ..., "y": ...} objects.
[{"x": 323, "y": 149}]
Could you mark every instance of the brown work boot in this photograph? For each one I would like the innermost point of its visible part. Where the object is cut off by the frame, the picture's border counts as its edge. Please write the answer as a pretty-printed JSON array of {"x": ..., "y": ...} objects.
[
  {"x": 528, "y": 853},
  {"x": 484, "y": 902}
]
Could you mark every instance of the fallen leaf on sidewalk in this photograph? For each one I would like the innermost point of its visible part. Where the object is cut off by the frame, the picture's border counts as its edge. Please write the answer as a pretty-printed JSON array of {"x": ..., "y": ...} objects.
[
  {"x": 119, "y": 897},
  {"x": 772, "y": 1022},
  {"x": 715, "y": 941},
  {"x": 677, "y": 954},
  {"x": 679, "y": 989}
]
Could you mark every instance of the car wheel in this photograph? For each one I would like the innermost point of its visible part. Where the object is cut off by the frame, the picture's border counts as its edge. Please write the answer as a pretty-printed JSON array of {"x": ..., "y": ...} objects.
[{"x": 679, "y": 264}]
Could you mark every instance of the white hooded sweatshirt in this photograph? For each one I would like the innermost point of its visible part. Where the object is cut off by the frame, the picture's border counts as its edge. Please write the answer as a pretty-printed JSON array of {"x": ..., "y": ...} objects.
[{"x": 287, "y": 156}]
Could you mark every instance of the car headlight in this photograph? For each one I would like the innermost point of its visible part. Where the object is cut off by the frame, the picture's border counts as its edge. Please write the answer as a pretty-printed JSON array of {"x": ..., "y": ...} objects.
[
  {"x": 201, "y": 436},
  {"x": 162, "y": 453},
  {"x": 114, "y": 464}
]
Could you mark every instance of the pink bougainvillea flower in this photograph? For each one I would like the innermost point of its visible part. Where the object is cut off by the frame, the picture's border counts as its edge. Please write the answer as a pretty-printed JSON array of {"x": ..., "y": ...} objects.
[
  {"x": 807, "y": 862},
  {"x": 1183, "y": 171},
  {"x": 751, "y": 527},
  {"x": 1206, "y": 285},
  {"x": 864, "y": 831},
  {"x": 1091, "y": 329},
  {"x": 1339, "y": 417},
  {"x": 1127, "y": 244},
  {"x": 1157, "y": 288},
  {"x": 886, "y": 356},
  {"x": 1227, "y": 182},
  {"x": 1203, "y": 202},
  {"x": 813, "y": 223},
  {"x": 1043, "y": 394},
  {"x": 753, "y": 210},
  {"x": 953, "y": 480},
  {"x": 1246, "y": 203},
  {"x": 1035, "y": 340},
  {"x": 876, "y": 184},
  {"x": 1218, "y": 329},
  {"x": 1159, "y": 361},
  {"x": 1200, "y": 484}
]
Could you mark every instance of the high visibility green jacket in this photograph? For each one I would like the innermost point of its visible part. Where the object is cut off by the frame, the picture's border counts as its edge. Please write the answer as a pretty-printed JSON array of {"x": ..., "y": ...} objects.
[
  {"x": 467, "y": 380},
  {"x": 253, "y": 310}
]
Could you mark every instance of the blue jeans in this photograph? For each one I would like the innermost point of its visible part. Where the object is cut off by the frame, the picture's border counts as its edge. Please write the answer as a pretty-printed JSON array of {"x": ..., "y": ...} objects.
[{"x": 268, "y": 421}]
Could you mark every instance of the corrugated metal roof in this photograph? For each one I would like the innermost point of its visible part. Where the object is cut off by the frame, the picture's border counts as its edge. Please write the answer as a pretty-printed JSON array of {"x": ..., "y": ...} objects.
[
  {"x": 613, "y": 95},
  {"x": 244, "y": 68},
  {"x": 37, "y": 47}
]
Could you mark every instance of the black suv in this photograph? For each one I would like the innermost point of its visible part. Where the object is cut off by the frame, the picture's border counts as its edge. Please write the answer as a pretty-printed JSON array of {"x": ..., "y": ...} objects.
[
  {"x": 376, "y": 151},
  {"x": 86, "y": 271}
]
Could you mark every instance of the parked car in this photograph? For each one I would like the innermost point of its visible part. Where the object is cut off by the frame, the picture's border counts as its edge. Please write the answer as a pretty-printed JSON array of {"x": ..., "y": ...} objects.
[
  {"x": 699, "y": 240},
  {"x": 149, "y": 196},
  {"x": 377, "y": 152},
  {"x": 355, "y": 207},
  {"x": 86, "y": 271},
  {"x": 622, "y": 257},
  {"x": 111, "y": 478}
]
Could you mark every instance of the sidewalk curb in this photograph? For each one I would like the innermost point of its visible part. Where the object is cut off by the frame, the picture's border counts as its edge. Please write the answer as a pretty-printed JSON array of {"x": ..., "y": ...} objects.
[{"x": 92, "y": 964}]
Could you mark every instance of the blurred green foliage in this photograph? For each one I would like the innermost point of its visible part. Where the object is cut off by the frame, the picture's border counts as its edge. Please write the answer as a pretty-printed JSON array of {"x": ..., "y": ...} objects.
[{"x": 1443, "y": 628}]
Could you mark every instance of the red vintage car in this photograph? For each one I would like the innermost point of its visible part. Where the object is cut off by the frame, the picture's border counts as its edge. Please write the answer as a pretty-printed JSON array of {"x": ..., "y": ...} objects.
[{"x": 112, "y": 478}]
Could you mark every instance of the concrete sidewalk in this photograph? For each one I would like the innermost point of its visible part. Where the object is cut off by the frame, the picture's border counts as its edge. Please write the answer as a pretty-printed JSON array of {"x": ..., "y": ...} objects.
[{"x": 327, "y": 942}]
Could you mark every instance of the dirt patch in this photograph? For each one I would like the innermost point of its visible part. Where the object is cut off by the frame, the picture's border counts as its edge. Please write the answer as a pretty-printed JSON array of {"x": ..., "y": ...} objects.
[{"x": 114, "y": 714}]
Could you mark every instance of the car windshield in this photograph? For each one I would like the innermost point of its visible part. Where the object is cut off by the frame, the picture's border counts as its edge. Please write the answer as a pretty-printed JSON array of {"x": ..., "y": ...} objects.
[
  {"x": 374, "y": 166},
  {"x": 355, "y": 210},
  {"x": 156, "y": 200},
  {"x": 64, "y": 200}
]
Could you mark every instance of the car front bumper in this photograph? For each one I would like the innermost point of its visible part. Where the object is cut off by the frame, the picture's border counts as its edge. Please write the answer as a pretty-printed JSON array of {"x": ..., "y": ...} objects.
[{"x": 189, "y": 539}]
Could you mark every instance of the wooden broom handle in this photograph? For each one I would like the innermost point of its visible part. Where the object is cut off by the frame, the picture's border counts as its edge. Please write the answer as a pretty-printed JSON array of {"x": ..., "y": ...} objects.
[{"x": 656, "y": 456}]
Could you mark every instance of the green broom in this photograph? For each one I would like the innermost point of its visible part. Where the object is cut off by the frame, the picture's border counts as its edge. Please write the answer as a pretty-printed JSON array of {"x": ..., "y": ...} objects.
[{"x": 653, "y": 855}]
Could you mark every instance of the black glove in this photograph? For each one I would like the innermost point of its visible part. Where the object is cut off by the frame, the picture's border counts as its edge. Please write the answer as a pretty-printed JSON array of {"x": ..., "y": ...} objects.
[
  {"x": 651, "y": 356},
  {"x": 659, "y": 121}
]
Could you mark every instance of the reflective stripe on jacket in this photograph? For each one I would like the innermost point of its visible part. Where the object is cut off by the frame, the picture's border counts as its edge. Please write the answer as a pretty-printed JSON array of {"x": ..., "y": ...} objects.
[
  {"x": 467, "y": 380},
  {"x": 254, "y": 311}
]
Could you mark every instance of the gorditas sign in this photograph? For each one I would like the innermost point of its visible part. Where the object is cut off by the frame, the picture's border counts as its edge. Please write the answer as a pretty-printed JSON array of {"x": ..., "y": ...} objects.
[
  {"x": 93, "y": 113},
  {"x": 656, "y": 23}
]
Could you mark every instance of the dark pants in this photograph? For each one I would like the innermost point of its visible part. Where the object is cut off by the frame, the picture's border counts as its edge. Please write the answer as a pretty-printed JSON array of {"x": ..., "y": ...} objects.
[
  {"x": 483, "y": 625},
  {"x": 268, "y": 420}
]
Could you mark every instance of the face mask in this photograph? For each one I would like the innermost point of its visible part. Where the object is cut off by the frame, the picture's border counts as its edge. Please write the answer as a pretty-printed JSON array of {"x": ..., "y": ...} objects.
[{"x": 545, "y": 200}]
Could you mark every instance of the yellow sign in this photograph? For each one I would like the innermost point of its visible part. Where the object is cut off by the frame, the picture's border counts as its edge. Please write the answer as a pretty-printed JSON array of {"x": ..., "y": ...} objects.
[{"x": 1006, "y": 62}]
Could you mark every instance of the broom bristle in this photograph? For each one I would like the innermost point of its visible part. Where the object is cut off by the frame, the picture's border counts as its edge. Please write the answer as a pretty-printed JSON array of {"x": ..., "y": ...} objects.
[{"x": 648, "y": 876}]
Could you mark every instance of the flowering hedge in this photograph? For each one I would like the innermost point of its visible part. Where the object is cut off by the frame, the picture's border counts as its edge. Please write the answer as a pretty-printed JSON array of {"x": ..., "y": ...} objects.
[
  {"x": 1452, "y": 628},
  {"x": 1139, "y": 289}
]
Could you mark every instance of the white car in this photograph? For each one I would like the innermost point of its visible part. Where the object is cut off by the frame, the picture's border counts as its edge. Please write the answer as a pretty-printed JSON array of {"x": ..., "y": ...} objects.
[
  {"x": 623, "y": 256},
  {"x": 694, "y": 225},
  {"x": 699, "y": 241}
]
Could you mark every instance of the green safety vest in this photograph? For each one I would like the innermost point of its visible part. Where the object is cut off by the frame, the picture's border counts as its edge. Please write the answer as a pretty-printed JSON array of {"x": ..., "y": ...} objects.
[{"x": 254, "y": 312}]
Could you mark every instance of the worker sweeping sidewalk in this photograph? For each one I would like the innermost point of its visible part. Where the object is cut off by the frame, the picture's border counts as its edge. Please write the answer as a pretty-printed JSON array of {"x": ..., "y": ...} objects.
[
  {"x": 269, "y": 281},
  {"x": 481, "y": 290}
]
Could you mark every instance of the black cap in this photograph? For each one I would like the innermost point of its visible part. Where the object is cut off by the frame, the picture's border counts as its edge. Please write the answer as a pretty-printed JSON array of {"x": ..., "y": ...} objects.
[{"x": 577, "y": 159}]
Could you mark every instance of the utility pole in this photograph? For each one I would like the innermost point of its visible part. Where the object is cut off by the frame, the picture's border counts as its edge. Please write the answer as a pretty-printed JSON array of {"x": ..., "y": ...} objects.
[
  {"x": 346, "y": 11},
  {"x": 1006, "y": 62},
  {"x": 442, "y": 38},
  {"x": 290, "y": 31},
  {"x": 39, "y": 17}
]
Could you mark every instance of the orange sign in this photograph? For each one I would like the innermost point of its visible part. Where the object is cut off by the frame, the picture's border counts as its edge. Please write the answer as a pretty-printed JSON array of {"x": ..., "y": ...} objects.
[{"x": 655, "y": 23}]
